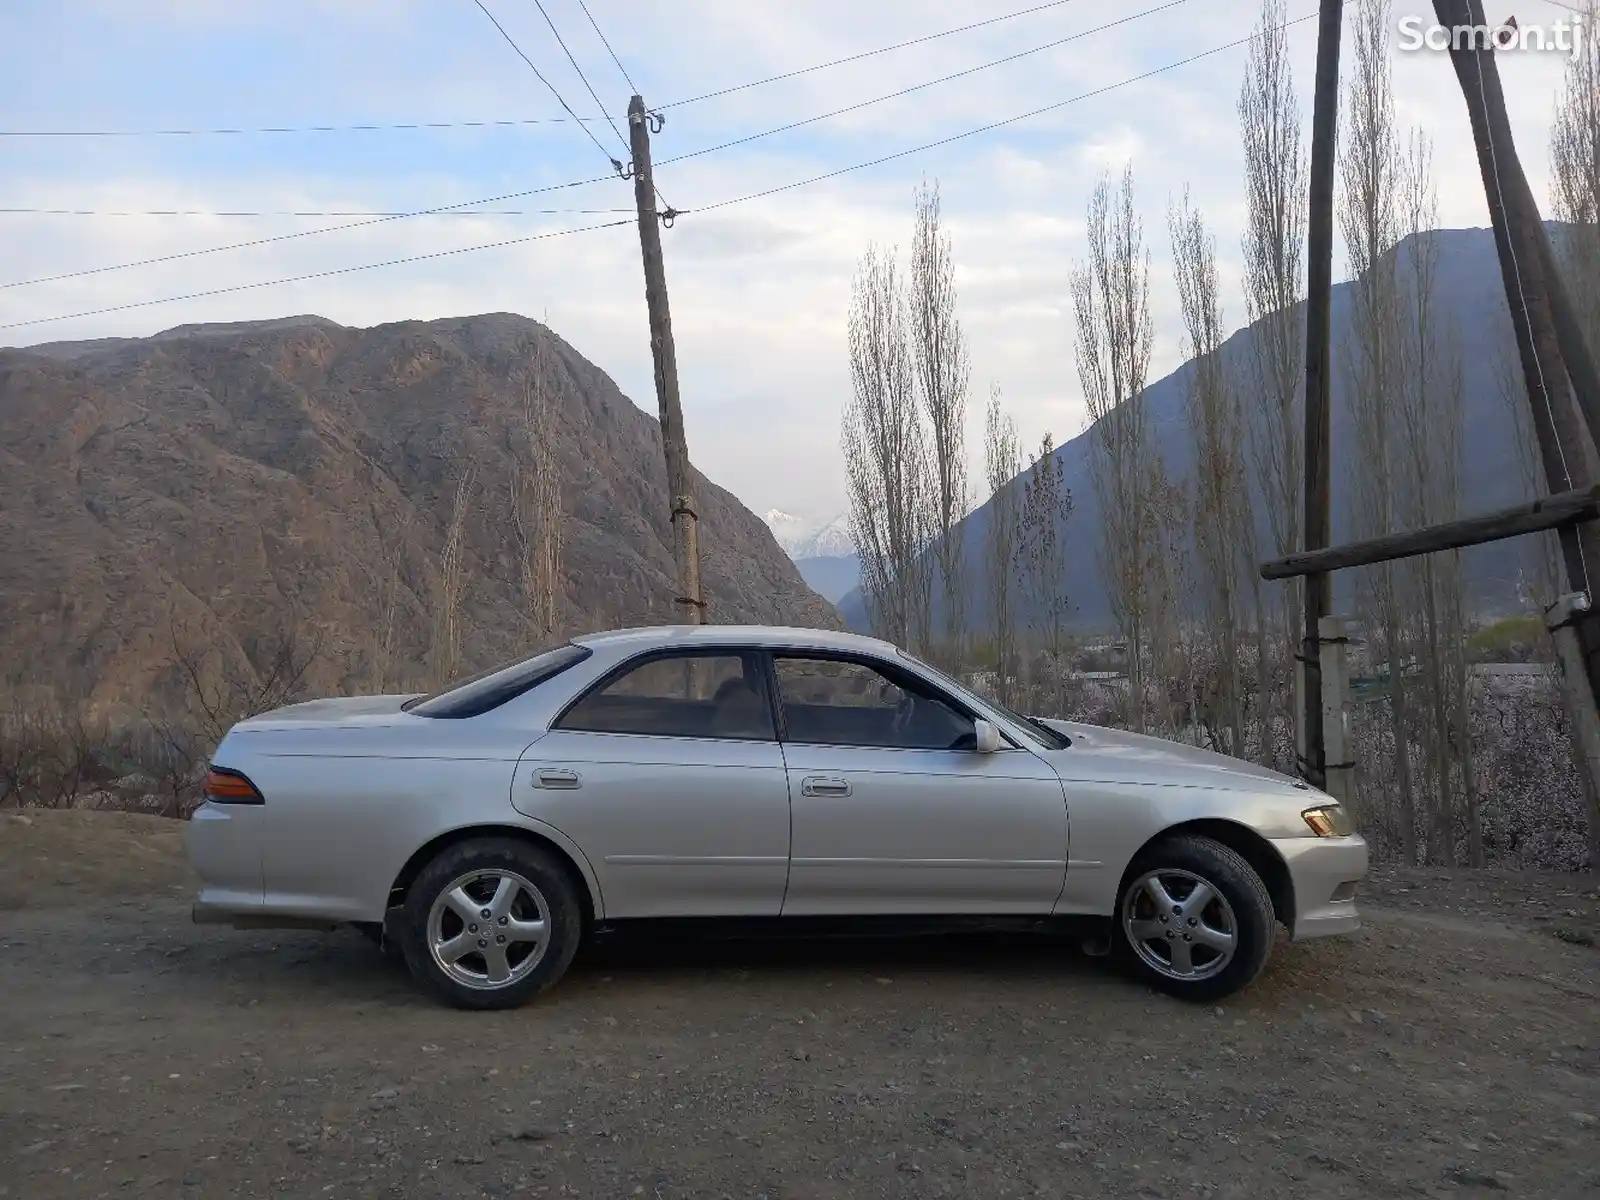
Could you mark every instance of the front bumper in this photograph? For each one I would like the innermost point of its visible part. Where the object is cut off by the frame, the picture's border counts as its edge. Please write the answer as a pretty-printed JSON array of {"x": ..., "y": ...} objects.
[{"x": 1326, "y": 873}]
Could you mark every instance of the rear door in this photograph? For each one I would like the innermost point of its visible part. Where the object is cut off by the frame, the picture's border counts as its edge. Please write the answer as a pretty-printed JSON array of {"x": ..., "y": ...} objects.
[
  {"x": 894, "y": 810},
  {"x": 668, "y": 775}
]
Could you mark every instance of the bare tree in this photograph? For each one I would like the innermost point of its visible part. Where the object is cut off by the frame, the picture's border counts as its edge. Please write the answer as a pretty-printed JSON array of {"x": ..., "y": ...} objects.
[
  {"x": 1111, "y": 306},
  {"x": 1371, "y": 171},
  {"x": 886, "y": 457},
  {"x": 1274, "y": 246},
  {"x": 939, "y": 351},
  {"x": 1046, "y": 504},
  {"x": 536, "y": 508},
  {"x": 220, "y": 688},
  {"x": 444, "y": 656},
  {"x": 1002, "y": 463},
  {"x": 1575, "y": 171},
  {"x": 386, "y": 636},
  {"x": 1427, "y": 405},
  {"x": 1220, "y": 516}
]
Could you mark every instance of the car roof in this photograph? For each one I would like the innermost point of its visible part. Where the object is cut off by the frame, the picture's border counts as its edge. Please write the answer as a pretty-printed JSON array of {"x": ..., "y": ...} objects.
[{"x": 739, "y": 635}]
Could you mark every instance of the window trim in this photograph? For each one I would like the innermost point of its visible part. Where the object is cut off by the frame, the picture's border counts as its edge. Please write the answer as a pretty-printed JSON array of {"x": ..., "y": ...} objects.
[
  {"x": 645, "y": 658},
  {"x": 892, "y": 671}
]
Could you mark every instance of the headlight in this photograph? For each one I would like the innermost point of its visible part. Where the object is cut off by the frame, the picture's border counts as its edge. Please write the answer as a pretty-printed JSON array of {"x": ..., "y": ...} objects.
[{"x": 1328, "y": 820}]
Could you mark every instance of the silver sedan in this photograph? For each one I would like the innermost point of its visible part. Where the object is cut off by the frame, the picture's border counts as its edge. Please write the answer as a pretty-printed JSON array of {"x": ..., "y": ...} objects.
[{"x": 797, "y": 778}]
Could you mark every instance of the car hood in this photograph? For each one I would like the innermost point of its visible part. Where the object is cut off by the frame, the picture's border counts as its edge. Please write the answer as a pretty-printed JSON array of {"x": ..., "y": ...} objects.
[
  {"x": 335, "y": 710},
  {"x": 1112, "y": 754}
]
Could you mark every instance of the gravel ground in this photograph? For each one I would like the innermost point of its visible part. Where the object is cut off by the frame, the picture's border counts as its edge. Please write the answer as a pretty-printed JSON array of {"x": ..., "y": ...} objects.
[{"x": 1450, "y": 1049}]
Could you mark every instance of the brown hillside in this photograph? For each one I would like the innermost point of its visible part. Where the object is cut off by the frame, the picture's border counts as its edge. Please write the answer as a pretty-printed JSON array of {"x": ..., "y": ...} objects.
[{"x": 216, "y": 478}]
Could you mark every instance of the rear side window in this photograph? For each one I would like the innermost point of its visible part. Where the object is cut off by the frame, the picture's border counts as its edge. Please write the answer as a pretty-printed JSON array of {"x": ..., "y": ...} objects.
[
  {"x": 682, "y": 695},
  {"x": 490, "y": 689}
]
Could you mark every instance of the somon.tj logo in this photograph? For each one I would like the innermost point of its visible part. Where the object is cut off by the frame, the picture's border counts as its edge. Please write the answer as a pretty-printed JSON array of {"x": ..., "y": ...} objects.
[{"x": 1563, "y": 36}]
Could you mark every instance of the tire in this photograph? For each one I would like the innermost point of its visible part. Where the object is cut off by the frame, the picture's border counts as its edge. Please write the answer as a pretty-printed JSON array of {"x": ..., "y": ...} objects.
[
  {"x": 1179, "y": 935},
  {"x": 519, "y": 886}
]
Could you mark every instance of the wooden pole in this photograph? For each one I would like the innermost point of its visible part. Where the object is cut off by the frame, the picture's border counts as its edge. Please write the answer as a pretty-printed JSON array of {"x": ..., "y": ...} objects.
[
  {"x": 1550, "y": 512},
  {"x": 1340, "y": 765},
  {"x": 1565, "y": 447},
  {"x": 1319, "y": 356},
  {"x": 680, "y": 479}
]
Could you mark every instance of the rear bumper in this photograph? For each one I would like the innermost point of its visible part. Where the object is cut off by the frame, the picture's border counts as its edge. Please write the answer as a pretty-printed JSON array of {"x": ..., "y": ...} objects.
[{"x": 1326, "y": 873}]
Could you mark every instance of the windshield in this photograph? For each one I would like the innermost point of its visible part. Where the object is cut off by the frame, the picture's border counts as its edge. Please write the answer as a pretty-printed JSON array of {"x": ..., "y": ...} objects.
[
  {"x": 1039, "y": 734},
  {"x": 490, "y": 689}
]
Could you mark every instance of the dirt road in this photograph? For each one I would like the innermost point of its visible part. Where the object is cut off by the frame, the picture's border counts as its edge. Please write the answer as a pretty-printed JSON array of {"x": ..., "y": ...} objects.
[{"x": 1452, "y": 1049}]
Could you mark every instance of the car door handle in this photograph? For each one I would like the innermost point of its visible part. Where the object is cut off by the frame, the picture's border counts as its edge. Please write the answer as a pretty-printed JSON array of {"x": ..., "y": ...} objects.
[
  {"x": 551, "y": 778},
  {"x": 824, "y": 785}
]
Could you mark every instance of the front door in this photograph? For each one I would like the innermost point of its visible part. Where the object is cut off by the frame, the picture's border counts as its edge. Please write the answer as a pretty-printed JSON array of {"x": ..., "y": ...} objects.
[
  {"x": 669, "y": 777},
  {"x": 895, "y": 812}
]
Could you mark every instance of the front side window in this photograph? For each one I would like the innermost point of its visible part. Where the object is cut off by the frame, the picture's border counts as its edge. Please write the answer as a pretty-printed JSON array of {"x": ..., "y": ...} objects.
[
  {"x": 680, "y": 695},
  {"x": 843, "y": 702}
]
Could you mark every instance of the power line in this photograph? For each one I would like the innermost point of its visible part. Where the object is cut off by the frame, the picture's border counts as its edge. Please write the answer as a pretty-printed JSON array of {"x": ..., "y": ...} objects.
[
  {"x": 677, "y": 158},
  {"x": 1100, "y": 91},
  {"x": 195, "y": 212},
  {"x": 633, "y": 87},
  {"x": 304, "y": 233},
  {"x": 706, "y": 208},
  {"x": 244, "y": 287},
  {"x": 920, "y": 86},
  {"x": 616, "y": 166},
  {"x": 363, "y": 128},
  {"x": 560, "y": 41},
  {"x": 850, "y": 58},
  {"x": 415, "y": 125}
]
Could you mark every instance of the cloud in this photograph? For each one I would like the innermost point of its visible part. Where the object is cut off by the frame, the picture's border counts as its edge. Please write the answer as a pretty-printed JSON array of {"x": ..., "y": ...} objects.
[{"x": 759, "y": 289}]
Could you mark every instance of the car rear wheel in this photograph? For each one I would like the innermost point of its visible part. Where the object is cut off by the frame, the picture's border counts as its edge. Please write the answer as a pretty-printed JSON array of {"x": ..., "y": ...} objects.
[
  {"x": 490, "y": 923},
  {"x": 1194, "y": 919}
]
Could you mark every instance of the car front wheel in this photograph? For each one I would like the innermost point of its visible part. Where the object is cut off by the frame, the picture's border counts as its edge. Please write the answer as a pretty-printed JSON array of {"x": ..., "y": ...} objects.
[
  {"x": 490, "y": 923},
  {"x": 1194, "y": 919}
]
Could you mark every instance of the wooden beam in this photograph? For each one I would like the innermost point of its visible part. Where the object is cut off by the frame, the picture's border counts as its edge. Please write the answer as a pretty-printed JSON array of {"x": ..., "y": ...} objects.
[{"x": 1550, "y": 512}]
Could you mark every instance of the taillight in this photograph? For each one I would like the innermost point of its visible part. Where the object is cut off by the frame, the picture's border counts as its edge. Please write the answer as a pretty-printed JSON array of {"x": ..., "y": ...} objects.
[{"x": 225, "y": 786}]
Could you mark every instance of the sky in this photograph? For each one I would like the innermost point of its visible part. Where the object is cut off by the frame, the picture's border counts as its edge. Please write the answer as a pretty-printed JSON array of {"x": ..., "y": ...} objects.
[{"x": 759, "y": 288}]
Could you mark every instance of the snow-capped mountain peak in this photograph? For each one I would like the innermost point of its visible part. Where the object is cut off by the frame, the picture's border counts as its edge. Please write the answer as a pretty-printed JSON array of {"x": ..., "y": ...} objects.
[{"x": 801, "y": 537}]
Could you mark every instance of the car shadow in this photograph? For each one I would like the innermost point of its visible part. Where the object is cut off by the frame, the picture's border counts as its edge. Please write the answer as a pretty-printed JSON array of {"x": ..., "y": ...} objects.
[{"x": 244, "y": 966}]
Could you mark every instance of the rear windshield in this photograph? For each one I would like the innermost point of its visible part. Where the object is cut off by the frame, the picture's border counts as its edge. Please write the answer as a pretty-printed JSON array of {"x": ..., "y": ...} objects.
[{"x": 490, "y": 689}]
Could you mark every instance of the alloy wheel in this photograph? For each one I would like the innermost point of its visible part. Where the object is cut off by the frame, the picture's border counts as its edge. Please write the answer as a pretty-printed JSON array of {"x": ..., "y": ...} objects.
[
  {"x": 1180, "y": 925},
  {"x": 488, "y": 928}
]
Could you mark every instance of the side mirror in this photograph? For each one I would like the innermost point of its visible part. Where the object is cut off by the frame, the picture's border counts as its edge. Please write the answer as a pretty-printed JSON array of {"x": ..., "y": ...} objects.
[{"x": 986, "y": 738}]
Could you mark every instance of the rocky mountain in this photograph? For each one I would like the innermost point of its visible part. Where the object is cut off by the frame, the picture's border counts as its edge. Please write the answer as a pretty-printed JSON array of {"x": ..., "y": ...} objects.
[
  {"x": 296, "y": 478},
  {"x": 1470, "y": 301}
]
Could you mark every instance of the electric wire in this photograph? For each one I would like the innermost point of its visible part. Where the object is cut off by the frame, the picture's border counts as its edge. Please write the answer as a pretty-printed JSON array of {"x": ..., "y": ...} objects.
[
  {"x": 245, "y": 287},
  {"x": 510, "y": 41},
  {"x": 413, "y": 125},
  {"x": 1100, "y": 91},
  {"x": 676, "y": 158},
  {"x": 562, "y": 42},
  {"x": 917, "y": 87},
  {"x": 945, "y": 141},
  {"x": 197, "y": 212},
  {"x": 302, "y": 233},
  {"x": 850, "y": 58},
  {"x": 633, "y": 87}
]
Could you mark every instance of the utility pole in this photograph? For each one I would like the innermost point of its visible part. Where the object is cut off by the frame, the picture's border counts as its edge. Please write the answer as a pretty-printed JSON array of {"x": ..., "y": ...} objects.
[
  {"x": 1318, "y": 416},
  {"x": 680, "y": 481},
  {"x": 1561, "y": 390}
]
